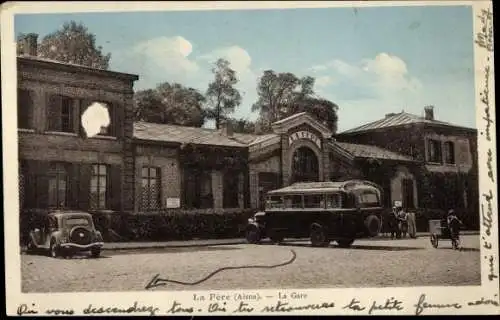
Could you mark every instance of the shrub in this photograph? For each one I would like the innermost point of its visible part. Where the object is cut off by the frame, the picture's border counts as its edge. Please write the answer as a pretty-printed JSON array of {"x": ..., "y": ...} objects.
[{"x": 172, "y": 225}]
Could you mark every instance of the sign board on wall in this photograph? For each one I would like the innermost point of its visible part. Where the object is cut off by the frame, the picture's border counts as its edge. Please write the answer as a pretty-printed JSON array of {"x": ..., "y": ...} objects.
[
  {"x": 173, "y": 203},
  {"x": 304, "y": 135}
]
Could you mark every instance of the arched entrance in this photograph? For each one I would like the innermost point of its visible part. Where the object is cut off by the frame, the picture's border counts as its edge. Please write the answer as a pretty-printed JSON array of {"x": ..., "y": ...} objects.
[{"x": 305, "y": 165}]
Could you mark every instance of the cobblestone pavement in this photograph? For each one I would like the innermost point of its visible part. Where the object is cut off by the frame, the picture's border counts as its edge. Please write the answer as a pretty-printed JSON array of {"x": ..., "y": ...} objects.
[{"x": 406, "y": 262}]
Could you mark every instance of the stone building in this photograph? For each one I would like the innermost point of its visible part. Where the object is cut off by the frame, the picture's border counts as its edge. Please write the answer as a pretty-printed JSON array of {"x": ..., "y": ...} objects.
[
  {"x": 144, "y": 167},
  {"x": 446, "y": 175},
  {"x": 59, "y": 167}
]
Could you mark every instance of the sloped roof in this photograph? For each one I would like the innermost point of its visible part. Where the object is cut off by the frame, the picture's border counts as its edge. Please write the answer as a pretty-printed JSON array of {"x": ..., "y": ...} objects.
[
  {"x": 398, "y": 119},
  {"x": 368, "y": 151},
  {"x": 72, "y": 66},
  {"x": 195, "y": 135}
]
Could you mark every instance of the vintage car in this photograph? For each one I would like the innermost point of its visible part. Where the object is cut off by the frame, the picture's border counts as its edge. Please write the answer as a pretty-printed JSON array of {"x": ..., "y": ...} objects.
[
  {"x": 323, "y": 211},
  {"x": 64, "y": 233}
]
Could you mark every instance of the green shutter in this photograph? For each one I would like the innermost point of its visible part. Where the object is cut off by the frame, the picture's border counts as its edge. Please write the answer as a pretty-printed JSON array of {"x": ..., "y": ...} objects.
[
  {"x": 84, "y": 186},
  {"x": 115, "y": 187}
]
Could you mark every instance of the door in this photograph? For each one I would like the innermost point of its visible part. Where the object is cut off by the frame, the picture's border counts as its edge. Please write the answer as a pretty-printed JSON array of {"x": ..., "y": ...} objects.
[
  {"x": 407, "y": 190},
  {"x": 267, "y": 181}
]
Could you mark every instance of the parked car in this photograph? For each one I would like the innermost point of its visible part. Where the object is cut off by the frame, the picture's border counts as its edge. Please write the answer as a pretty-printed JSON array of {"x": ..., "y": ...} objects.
[
  {"x": 323, "y": 211},
  {"x": 63, "y": 233}
]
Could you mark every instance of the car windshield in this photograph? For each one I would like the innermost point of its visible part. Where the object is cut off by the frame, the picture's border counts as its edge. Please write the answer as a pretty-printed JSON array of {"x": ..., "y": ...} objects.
[{"x": 77, "y": 221}]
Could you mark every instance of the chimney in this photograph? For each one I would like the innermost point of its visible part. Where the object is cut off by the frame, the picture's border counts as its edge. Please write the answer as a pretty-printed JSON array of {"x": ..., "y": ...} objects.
[
  {"x": 226, "y": 128},
  {"x": 388, "y": 115},
  {"x": 429, "y": 112},
  {"x": 30, "y": 44}
]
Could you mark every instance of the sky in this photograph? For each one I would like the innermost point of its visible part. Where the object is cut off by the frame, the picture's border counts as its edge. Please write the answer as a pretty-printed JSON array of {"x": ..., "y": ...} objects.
[{"x": 369, "y": 61}]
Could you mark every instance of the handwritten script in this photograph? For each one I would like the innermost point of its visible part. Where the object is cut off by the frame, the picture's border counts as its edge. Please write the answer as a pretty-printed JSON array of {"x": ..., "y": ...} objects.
[
  {"x": 156, "y": 281},
  {"x": 484, "y": 38}
]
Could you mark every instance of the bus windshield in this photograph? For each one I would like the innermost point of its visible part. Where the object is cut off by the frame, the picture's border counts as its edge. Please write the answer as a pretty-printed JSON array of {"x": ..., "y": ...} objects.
[{"x": 274, "y": 202}]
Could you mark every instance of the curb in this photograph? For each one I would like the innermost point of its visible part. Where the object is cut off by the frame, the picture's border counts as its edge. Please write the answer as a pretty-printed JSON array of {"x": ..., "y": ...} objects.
[
  {"x": 187, "y": 244},
  {"x": 170, "y": 245}
]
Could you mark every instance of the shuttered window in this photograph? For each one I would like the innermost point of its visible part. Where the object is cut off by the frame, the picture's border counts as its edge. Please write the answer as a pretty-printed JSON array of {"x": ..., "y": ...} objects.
[
  {"x": 151, "y": 190},
  {"x": 58, "y": 185},
  {"x": 99, "y": 186},
  {"x": 61, "y": 114},
  {"x": 24, "y": 109}
]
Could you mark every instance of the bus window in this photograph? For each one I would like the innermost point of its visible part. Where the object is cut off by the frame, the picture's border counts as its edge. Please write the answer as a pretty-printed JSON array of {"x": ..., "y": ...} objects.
[
  {"x": 314, "y": 201},
  {"x": 294, "y": 201},
  {"x": 274, "y": 202},
  {"x": 333, "y": 201},
  {"x": 368, "y": 199}
]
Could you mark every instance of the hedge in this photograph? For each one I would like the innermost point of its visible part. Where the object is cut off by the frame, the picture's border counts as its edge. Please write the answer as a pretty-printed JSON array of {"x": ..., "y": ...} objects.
[{"x": 157, "y": 226}]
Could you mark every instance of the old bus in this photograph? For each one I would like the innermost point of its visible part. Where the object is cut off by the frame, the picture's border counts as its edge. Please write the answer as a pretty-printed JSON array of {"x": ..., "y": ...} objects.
[{"x": 322, "y": 211}]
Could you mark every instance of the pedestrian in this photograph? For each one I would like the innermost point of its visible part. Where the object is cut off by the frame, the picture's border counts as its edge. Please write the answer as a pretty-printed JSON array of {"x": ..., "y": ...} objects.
[
  {"x": 395, "y": 230},
  {"x": 453, "y": 225},
  {"x": 412, "y": 225}
]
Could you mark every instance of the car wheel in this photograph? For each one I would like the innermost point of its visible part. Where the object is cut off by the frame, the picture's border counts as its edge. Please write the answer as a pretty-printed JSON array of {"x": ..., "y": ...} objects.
[
  {"x": 54, "y": 249},
  {"x": 318, "y": 237},
  {"x": 95, "y": 252},
  {"x": 30, "y": 246},
  {"x": 345, "y": 243}
]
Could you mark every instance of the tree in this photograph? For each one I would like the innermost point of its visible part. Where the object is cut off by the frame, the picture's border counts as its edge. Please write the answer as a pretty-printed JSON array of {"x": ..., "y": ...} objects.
[
  {"x": 322, "y": 109},
  {"x": 278, "y": 92},
  {"x": 222, "y": 97},
  {"x": 242, "y": 125},
  {"x": 172, "y": 104},
  {"x": 73, "y": 43}
]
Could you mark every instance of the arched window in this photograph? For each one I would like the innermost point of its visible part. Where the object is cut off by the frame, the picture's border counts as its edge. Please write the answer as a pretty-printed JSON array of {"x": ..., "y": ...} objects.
[{"x": 305, "y": 165}]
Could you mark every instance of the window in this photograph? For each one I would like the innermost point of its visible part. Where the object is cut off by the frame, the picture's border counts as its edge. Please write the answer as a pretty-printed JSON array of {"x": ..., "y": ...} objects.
[
  {"x": 449, "y": 152},
  {"x": 333, "y": 201},
  {"x": 71, "y": 222},
  {"x": 98, "y": 186},
  {"x": 61, "y": 114},
  {"x": 231, "y": 189},
  {"x": 24, "y": 109},
  {"x": 274, "y": 202},
  {"x": 294, "y": 201},
  {"x": 58, "y": 185},
  {"x": 434, "y": 151},
  {"x": 198, "y": 189},
  {"x": 151, "y": 191},
  {"x": 368, "y": 199},
  {"x": 314, "y": 201}
]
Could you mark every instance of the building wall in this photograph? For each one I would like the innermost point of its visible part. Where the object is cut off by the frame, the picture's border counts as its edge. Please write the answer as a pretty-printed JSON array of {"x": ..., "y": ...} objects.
[
  {"x": 38, "y": 144},
  {"x": 272, "y": 165}
]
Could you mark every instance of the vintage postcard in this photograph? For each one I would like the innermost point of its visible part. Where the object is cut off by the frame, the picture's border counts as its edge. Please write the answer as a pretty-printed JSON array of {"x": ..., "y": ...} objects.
[{"x": 249, "y": 158}]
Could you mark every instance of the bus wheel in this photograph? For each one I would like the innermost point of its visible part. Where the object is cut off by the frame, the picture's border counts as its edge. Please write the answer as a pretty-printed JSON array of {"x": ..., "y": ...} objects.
[
  {"x": 345, "y": 243},
  {"x": 318, "y": 236},
  {"x": 276, "y": 237},
  {"x": 252, "y": 235}
]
